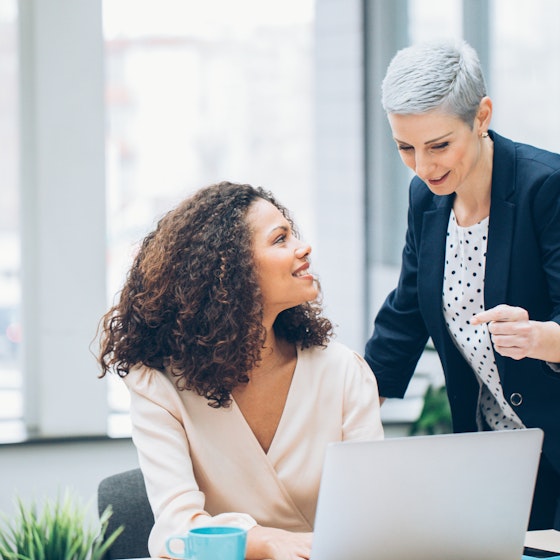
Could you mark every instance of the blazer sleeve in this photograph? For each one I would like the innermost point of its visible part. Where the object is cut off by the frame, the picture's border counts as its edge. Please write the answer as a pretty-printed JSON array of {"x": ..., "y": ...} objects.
[
  {"x": 547, "y": 219},
  {"x": 546, "y": 213},
  {"x": 400, "y": 334}
]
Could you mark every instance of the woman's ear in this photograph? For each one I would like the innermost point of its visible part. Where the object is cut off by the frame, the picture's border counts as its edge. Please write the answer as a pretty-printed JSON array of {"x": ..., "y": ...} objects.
[{"x": 484, "y": 115}]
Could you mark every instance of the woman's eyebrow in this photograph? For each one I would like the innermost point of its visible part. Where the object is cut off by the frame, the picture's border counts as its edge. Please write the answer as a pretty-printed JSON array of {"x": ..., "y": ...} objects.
[
  {"x": 438, "y": 138},
  {"x": 282, "y": 228},
  {"x": 427, "y": 141}
]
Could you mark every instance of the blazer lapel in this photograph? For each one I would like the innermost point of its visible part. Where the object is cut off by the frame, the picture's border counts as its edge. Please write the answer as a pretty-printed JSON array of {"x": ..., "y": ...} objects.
[
  {"x": 500, "y": 228},
  {"x": 431, "y": 262},
  {"x": 501, "y": 222}
]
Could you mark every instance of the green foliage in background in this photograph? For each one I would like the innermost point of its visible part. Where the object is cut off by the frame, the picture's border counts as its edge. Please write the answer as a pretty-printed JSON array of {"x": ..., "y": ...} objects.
[
  {"x": 58, "y": 532},
  {"x": 435, "y": 417}
]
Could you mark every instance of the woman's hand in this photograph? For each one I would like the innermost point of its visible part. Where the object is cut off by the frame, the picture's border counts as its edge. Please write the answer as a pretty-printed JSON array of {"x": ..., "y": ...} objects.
[
  {"x": 277, "y": 544},
  {"x": 514, "y": 335}
]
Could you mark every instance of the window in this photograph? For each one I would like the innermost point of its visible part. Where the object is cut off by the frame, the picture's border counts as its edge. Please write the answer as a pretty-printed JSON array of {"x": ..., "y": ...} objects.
[
  {"x": 431, "y": 19},
  {"x": 197, "y": 92},
  {"x": 524, "y": 82}
]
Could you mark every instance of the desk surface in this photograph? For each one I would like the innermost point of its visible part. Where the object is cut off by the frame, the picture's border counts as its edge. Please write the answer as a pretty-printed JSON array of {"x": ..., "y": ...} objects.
[
  {"x": 544, "y": 540},
  {"x": 523, "y": 558}
]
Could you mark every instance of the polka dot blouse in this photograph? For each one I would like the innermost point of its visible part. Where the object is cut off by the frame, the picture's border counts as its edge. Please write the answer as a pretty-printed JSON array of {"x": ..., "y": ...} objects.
[{"x": 463, "y": 296}]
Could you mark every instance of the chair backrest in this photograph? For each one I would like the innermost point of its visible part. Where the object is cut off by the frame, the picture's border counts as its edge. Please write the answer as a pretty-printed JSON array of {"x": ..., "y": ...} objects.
[{"x": 126, "y": 493}]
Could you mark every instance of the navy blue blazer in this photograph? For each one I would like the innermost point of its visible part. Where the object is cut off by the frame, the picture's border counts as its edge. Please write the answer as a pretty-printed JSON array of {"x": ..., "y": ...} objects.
[{"x": 522, "y": 269}]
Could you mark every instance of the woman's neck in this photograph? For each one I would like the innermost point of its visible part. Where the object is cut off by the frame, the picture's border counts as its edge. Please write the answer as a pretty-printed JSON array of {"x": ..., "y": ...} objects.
[
  {"x": 276, "y": 353},
  {"x": 262, "y": 400},
  {"x": 472, "y": 203}
]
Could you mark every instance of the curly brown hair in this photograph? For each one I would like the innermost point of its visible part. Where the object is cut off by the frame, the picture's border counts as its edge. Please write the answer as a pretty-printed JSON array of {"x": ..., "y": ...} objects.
[{"x": 191, "y": 301}]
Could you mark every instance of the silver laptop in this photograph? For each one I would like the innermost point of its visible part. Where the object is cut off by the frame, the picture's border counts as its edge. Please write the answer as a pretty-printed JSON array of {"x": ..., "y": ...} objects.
[{"x": 444, "y": 497}]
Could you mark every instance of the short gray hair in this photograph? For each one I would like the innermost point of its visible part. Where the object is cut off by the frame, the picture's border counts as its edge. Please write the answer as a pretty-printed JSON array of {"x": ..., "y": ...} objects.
[{"x": 435, "y": 75}]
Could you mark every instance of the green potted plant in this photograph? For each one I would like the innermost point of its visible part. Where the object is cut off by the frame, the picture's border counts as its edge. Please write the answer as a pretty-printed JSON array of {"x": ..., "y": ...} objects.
[
  {"x": 435, "y": 417},
  {"x": 59, "y": 531}
]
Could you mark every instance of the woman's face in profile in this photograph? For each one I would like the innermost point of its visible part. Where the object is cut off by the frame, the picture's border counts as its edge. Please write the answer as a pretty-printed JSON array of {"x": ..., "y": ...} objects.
[
  {"x": 440, "y": 148},
  {"x": 281, "y": 259}
]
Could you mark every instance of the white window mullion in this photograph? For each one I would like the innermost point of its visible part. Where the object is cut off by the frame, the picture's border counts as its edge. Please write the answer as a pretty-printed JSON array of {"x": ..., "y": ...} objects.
[{"x": 63, "y": 214}]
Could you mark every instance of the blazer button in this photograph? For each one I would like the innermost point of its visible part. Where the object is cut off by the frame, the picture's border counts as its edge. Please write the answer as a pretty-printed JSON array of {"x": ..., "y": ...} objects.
[{"x": 516, "y": 399}]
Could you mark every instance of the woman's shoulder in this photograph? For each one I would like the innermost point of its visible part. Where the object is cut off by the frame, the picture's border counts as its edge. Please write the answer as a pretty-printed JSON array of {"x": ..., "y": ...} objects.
[
  {"x": 333, "y": 354},
  {"x": 329, "y": 350},
  {"x": 528, "y": 177},
  {"x": 526, "y": 155},
  {"x": 143, "y": 379},
  {"x": 550, "y": 160},
  {"x": 335, "y": 370},
  {"x": 156, "y": 387}
]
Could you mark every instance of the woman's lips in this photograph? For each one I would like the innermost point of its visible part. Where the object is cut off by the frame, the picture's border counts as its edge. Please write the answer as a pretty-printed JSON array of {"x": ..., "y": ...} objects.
[
  {"x": 437, "y": 182},
  {"x": 302, "y": 271}
]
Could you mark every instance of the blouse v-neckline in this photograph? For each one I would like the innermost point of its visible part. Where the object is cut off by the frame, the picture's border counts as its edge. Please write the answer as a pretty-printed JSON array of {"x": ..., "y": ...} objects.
[{"x": 270, "y": 453}]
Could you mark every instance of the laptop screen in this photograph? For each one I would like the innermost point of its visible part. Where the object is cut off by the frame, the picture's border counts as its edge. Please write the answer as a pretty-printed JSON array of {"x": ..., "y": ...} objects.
[{"x": 436, "y": 497}]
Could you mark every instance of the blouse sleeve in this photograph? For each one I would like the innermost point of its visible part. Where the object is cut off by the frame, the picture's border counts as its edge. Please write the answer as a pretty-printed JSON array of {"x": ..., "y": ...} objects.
[
  {"x": 164, "y": 457},
  {"x": 361, "y": 415}
]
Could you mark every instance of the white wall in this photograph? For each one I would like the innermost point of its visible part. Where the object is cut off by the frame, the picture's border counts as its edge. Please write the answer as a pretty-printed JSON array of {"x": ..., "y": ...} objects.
[{"x": 34, "y": 471}]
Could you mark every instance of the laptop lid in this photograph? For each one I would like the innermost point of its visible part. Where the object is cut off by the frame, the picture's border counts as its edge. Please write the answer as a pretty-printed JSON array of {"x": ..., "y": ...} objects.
[{"x": 436, "y": 497}]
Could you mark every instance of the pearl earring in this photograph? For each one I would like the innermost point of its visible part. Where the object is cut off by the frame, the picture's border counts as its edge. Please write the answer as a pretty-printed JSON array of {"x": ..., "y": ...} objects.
[{"x": 484, "y": 135}]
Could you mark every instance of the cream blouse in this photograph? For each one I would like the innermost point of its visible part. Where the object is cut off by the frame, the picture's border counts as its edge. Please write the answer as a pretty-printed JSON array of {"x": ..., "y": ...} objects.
[{"x": 204, "y": 466}]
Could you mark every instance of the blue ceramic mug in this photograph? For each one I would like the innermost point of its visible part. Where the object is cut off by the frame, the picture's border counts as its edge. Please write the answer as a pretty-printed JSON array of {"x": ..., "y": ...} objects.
[{"x": 209, "y": 543}]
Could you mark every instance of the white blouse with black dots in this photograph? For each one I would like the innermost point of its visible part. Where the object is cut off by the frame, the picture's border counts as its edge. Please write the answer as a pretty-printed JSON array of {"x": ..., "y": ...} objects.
[{"x": 463, "y": 296}]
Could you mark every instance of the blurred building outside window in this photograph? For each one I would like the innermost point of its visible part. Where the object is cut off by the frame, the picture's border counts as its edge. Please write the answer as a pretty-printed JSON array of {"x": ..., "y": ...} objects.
[{"x": 525, "y": 79}]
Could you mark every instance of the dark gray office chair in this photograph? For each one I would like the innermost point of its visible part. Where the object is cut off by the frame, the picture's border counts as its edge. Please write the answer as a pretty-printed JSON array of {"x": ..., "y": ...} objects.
[{"x": 126, "y": 493}]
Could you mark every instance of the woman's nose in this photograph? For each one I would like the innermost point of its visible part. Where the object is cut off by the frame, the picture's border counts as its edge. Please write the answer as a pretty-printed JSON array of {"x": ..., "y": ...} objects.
[
  {"x": 303, "y": 250},
  {"x": 422, "y": 164}
]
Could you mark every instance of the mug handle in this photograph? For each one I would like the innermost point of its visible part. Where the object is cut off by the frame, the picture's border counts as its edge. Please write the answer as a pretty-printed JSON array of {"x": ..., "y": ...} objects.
[{"x": 174, "y": 554}]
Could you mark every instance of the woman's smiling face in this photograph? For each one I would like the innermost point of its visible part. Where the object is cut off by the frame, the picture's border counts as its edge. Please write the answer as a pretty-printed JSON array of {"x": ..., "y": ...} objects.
[
  {"x": 440, "y": 148},
  {"x": 281, "y": 260}
]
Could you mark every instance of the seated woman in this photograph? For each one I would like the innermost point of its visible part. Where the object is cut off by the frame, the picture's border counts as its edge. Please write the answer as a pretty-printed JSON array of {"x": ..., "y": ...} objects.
[{"x": 235, "y": 388}]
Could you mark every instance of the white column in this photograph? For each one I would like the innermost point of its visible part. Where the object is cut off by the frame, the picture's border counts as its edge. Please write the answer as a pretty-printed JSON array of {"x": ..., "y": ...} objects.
[
  {"x": 63, "y": 214},
  {"x": 340, "y": 187},
  {"x": 387, "y": 180}
]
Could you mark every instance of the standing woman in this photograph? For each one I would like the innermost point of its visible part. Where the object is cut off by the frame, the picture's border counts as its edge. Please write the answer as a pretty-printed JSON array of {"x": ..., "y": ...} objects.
[
  {"x": 481, "y": 264},
  {"x": 235, "y": 388}
]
